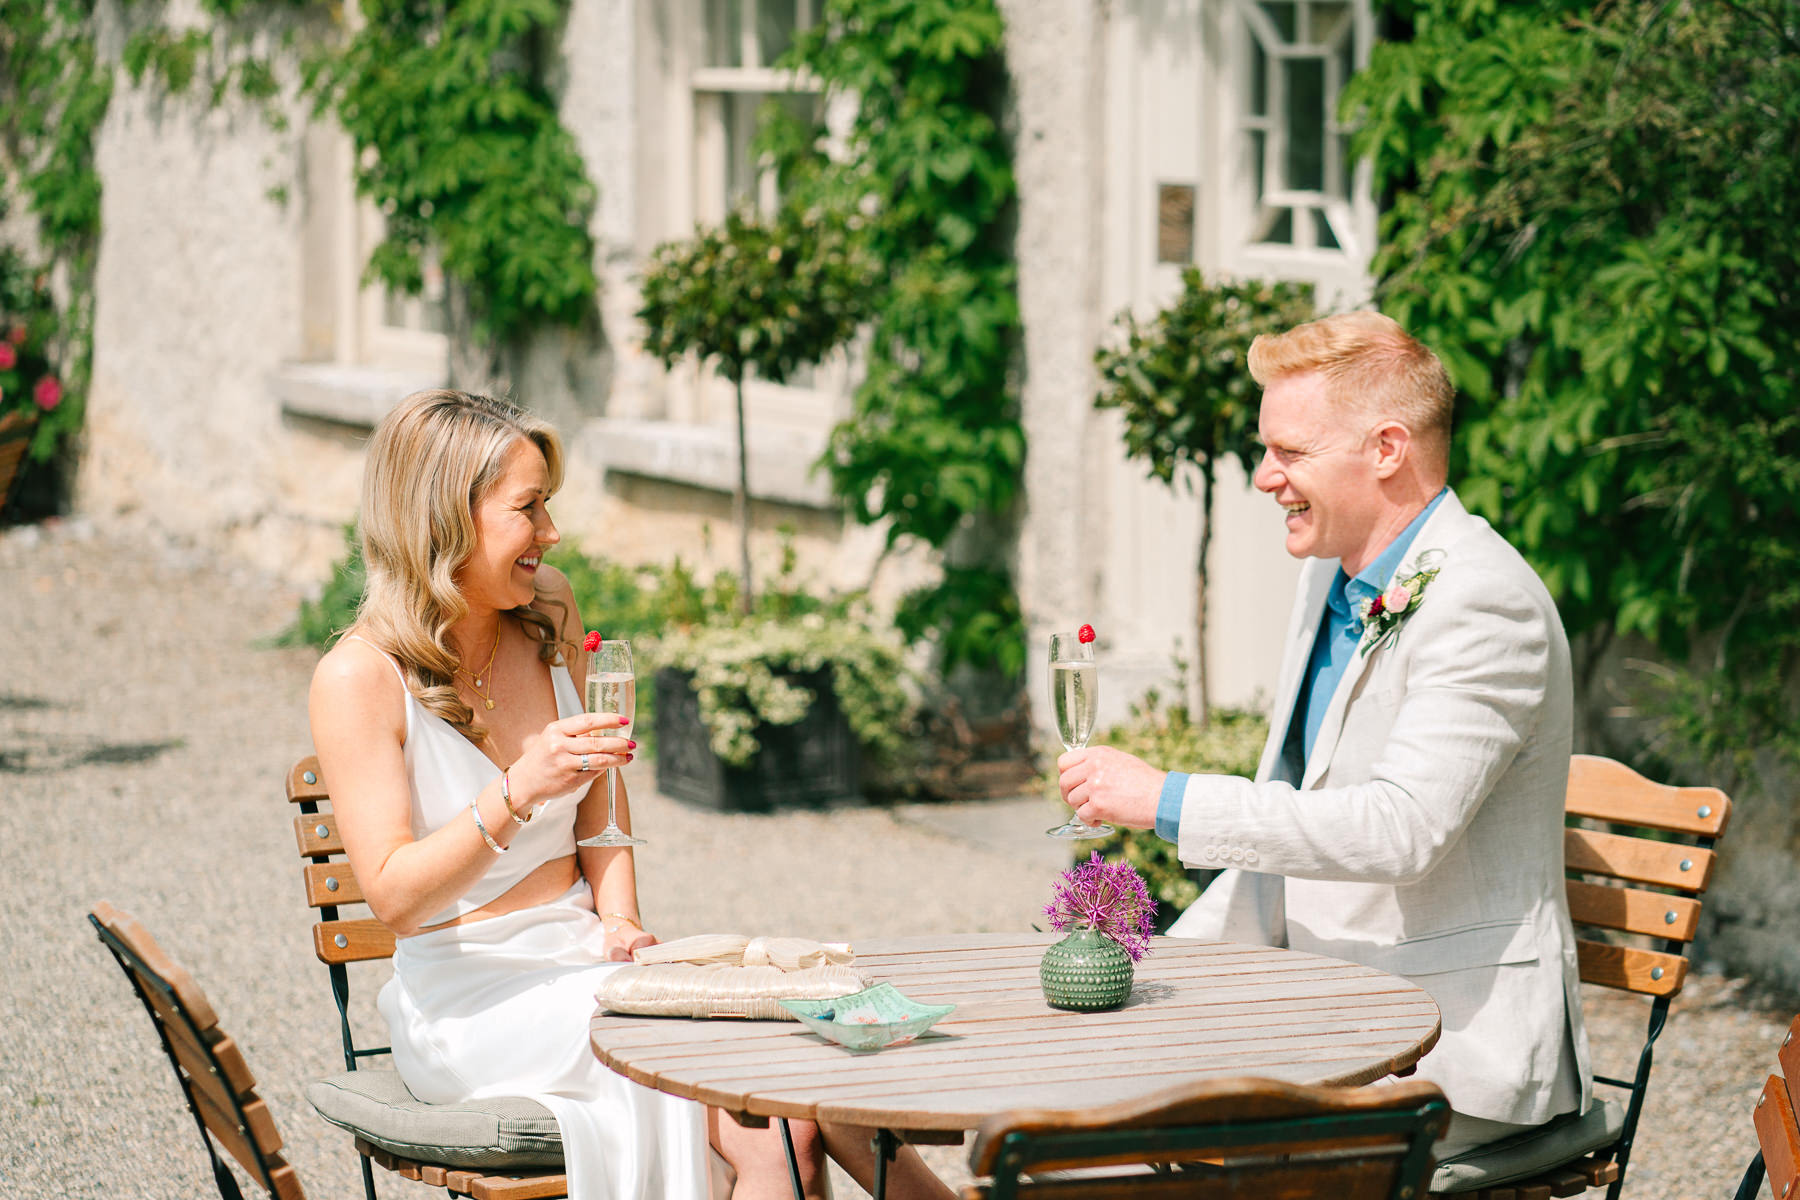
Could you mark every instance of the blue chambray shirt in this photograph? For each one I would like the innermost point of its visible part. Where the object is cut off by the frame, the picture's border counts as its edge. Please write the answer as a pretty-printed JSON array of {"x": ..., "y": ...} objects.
[{"x": 1339, "y": 631}]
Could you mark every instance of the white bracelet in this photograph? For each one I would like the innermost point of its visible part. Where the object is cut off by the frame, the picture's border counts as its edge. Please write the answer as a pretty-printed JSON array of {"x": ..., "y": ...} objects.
[{"x": 475, "y": 810}]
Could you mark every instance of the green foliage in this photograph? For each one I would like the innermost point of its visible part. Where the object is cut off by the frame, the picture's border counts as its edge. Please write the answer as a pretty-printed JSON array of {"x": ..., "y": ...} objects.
[
  {"x": 53, "y": 96},
  {"x": 459, "y": 145},
  {"x": 922, "y": 177},
  {"x": 975, "y": 614},
  {"x": 1180, "y": 379},
  {"x": 320, "y": 622},
  {"x": 1230, "y": 743},
  {"x": 1592, "y": 220},
  {"x": 754, "y": 296}
]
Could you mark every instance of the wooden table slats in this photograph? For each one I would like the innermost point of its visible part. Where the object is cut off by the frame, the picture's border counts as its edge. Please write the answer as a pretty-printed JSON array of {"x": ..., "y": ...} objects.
[{"x": 1198, "y": 1009}]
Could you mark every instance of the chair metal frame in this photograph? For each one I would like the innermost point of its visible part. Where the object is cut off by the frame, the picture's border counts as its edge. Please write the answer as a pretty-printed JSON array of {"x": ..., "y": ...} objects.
[{"x": 1777, "y": 1127}]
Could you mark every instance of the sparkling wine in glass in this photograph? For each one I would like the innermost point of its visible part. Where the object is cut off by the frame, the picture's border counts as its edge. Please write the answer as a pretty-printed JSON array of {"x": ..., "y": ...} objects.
[
  {"x": 612, "y": 688},
  {"x": 1074, "y": 698}
]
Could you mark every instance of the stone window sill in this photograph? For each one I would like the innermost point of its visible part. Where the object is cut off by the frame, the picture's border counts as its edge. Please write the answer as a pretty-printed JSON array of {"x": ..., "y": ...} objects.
[
  {"x": 705, "y": 456},
  {"x": 342, "y": 393}
]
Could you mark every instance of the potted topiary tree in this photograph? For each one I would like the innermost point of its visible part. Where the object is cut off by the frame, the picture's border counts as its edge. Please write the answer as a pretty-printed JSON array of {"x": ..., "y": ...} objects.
[
  {"x": 1181, "y": 381},
  {"x": 754, "y": 295}
]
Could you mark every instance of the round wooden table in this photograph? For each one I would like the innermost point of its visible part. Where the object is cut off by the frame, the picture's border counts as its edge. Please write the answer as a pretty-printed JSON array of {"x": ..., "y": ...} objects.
[{"x": 1197, "y": 1009}]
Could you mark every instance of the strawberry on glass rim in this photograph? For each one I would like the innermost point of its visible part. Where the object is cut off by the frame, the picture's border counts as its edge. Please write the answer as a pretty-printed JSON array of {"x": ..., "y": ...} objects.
[
  {"x": 591, "y": 642},
  {"x": 1085, "y": 634}
]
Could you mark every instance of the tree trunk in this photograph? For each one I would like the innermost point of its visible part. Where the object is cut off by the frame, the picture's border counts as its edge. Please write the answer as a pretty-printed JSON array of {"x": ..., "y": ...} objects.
[
  {"x": 740, "y": 501},
  {"x": 1201, "y": 705}
]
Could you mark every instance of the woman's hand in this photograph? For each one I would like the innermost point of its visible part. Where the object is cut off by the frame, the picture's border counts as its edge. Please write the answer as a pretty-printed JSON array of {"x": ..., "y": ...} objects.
[
  {"x": 622, "y": 939},
  {"x": 567, "y": 754}
]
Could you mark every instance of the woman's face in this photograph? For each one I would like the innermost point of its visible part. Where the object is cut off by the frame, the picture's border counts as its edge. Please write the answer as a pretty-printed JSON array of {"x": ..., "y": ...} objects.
[{"x": 512, "y": 528}]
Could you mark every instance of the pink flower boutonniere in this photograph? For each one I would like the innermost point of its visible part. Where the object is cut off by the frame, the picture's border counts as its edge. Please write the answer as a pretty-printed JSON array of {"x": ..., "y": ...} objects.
[{"x": 1381, "y": 616}]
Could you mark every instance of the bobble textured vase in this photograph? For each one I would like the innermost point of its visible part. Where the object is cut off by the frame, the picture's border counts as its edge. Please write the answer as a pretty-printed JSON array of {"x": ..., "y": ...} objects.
[{"x": 1086, "y": 971}]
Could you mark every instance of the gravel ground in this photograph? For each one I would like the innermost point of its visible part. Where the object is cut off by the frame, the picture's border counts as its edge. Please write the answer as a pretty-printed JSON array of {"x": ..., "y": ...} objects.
[{"x": 145, "y": 729}]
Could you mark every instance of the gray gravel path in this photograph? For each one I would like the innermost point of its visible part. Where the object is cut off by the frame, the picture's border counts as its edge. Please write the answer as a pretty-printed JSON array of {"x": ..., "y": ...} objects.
[{"x": 144, "y": 733}]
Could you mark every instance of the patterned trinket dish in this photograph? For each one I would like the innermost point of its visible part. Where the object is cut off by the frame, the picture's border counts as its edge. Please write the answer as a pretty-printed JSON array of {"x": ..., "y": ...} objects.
[{"x": 871, "y": 1019}]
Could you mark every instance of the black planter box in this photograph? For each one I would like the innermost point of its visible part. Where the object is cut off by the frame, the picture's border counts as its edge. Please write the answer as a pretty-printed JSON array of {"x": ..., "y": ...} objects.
[{"x": 809, "y": 763}]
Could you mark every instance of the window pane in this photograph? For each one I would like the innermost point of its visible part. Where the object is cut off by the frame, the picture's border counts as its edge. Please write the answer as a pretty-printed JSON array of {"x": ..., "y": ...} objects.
[
  {"x": 724, "y": 33},
  {"x": 1258, "y": 161},
  {"x": 1259, "y": 80},
  {"x": 740, "y": 125},
  {"x": 775, "y": 22},
  {"x": 1281, "y": 12},
  {"x": 1330, "y": 22},
  {"x": 1322, "y": 228},
  {"x": 1306, "y": 124},
  {"x": 1282, "y": 232}
]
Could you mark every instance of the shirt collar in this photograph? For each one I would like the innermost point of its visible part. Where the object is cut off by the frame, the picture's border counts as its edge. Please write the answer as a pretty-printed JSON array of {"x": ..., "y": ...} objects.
[{"x": 1369, "y": 582}]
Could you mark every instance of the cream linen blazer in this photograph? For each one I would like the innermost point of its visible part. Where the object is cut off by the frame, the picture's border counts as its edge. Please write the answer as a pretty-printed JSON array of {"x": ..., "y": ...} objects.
[{"x": 1426, "y": 836}]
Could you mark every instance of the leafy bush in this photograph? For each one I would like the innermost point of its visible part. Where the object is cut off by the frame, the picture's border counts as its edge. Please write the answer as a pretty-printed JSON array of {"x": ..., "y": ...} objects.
[{"x": 1230, "y": 743}]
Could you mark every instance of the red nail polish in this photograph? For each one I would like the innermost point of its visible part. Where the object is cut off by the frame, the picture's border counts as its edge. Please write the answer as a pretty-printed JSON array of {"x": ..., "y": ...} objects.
[
  {"x": 630, "y": 744},
  {"x": 626, "y": 721}
]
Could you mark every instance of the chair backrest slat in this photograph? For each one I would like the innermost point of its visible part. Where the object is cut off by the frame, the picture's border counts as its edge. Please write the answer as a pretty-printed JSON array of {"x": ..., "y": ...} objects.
[
  {"x": 1638, "y": 860},
  {"x": 360, "y": 940},
  {"x": 1634, "y": 910},
  {"x": 1605, "y": 790},
  {"x": 317, "y": 835},
  {"x": 331, "y": 883},
  {"x": 1647, "y": 972}
]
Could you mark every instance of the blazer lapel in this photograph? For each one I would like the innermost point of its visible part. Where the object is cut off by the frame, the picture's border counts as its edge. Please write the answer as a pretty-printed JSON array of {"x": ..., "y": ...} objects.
[
  {"x": 1432, "y": 535},
  {"x": 1302, "y": 632}
]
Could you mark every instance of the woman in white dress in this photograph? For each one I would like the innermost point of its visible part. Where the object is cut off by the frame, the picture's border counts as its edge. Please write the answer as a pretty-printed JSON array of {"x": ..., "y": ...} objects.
[{"x": 462, "y": 770}]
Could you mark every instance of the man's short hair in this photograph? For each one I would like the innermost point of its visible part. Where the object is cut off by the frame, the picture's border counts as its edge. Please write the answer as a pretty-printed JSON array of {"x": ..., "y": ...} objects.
[{"x": 1370, "y": 364}]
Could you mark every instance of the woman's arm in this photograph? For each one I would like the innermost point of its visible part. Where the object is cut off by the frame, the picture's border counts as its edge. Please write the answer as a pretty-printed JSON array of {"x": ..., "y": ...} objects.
[{"x": 358, "y": 711}]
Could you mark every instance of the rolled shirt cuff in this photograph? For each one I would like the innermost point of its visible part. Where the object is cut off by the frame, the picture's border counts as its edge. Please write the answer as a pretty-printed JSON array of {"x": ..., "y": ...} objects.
[{"x": 1168, "y": 807}]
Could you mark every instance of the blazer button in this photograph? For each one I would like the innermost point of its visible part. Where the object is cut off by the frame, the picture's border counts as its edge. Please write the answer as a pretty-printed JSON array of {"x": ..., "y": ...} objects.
[
  {"x": 1237, "y": 854},
  {"x": 1211, "y": 853},
  {"x": 1249, "y": 857}
]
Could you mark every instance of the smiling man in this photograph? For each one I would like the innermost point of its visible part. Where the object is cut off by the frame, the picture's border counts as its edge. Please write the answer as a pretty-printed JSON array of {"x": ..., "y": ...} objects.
[{"x": 1408, "y": 810}]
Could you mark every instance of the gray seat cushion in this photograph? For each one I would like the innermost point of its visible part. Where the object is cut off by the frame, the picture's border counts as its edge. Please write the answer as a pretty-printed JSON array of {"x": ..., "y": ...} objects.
[
  {"x": 504, "y": 1132},
  {"x": 1562, "y": 1140}
]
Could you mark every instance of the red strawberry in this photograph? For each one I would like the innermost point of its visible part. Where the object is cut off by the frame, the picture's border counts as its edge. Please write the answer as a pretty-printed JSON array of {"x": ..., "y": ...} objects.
[
  {"x": 591, "y": 642},
  {"x": 1085, "y": 634}
]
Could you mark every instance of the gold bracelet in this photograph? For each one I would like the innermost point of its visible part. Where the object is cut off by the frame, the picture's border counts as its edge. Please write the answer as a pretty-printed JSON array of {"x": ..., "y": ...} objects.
[
  {"x": 623, "y": 917},
  {"x": 506, "y": 799}
]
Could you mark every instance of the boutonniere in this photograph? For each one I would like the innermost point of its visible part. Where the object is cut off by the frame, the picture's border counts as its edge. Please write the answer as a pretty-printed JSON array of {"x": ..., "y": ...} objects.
[{"x": 1381, "y": 616}]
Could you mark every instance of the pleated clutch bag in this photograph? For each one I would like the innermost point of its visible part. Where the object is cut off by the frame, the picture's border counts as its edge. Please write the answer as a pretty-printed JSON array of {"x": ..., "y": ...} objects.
[{"x": 728, "y": 975}]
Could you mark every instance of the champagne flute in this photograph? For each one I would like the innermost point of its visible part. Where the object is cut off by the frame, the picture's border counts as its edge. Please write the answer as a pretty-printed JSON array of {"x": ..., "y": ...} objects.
[
  {"x": 612, "y": 688},
  {"x": 1074, "y": 695}
]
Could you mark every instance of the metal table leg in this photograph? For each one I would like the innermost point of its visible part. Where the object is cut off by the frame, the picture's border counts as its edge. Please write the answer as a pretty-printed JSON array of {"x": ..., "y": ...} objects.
[
  {"x": 886, "y": 1147},
  {"x": 787, "y": 1143}
]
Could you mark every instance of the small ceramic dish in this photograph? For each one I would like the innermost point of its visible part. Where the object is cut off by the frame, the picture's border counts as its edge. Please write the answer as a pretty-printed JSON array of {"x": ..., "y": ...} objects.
[{"x": 870, "y": 1019}]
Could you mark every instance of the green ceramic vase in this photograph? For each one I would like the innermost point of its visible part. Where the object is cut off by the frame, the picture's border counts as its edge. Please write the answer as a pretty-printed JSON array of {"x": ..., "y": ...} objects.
[{"x": 1086, "y": 971}]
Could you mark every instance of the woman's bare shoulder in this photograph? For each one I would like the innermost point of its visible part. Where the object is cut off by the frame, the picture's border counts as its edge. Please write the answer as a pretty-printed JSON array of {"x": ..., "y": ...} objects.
[{"x": 355, "y": 671}]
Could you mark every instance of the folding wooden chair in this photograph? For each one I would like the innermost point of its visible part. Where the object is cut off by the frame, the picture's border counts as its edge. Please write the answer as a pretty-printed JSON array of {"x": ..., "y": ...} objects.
[
  {"x": 503, "y": 1149},
  {"x": 1225, "y": 1138},
  {"x": 1638, "y": 859},
  {"x": 1777, "y": 1128},
  {"x": 216, "y": 1082}
]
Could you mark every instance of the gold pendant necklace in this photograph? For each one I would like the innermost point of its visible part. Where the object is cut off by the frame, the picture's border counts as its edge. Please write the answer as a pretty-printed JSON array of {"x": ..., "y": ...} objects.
[{"x": 486, "y": 676}]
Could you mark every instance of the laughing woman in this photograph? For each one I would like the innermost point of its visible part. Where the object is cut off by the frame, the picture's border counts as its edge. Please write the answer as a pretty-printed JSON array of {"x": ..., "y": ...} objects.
[
  {"x": 463, "y": 770},
  {"x": 461, "y": 767}
]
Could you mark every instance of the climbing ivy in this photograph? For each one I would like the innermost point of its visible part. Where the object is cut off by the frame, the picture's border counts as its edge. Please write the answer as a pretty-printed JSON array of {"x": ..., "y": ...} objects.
[
  {"x": 933, "y": 445},
  {"x": 459, "y": 145}
]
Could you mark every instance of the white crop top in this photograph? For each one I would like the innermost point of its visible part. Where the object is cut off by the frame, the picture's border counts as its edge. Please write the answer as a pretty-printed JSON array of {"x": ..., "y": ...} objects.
[{"x": 445, "y": 770}]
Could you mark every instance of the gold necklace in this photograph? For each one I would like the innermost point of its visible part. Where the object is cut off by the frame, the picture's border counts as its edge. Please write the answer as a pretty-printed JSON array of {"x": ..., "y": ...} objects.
[{"x": 486, "y": 672}]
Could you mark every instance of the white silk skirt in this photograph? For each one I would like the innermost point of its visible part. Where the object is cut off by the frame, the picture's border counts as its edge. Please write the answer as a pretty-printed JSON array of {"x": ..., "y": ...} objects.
[{"x": 500, "y": 1007}]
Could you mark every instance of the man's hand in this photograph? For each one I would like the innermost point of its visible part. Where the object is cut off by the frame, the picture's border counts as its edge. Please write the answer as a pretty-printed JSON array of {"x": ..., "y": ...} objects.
[{"x": 1103, "y": 784}]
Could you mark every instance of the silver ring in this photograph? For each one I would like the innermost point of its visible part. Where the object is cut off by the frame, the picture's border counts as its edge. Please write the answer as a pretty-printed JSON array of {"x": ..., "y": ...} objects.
[{"x": 584, "y": 762}]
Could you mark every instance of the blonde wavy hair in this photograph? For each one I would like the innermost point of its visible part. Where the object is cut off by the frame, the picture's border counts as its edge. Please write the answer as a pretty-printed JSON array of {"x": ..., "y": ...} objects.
[
  {"x": 1371, "y": 366},
  {"x": 430, "y": 461}
]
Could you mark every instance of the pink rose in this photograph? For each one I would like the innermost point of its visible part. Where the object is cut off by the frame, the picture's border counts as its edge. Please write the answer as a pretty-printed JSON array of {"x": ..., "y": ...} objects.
[
  {"x": 47, "y": 393},
  {"x": 1396, "y": 598},
  {"x": 9, "y": 358}
]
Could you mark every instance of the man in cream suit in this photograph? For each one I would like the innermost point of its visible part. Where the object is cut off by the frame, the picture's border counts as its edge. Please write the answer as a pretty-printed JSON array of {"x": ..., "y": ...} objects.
[{"x": 1408, "y": 810}]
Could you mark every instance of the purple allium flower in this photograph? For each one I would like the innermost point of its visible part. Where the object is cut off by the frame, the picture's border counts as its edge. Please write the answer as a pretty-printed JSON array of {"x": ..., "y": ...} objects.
[{"x": 1111, "y": 897}]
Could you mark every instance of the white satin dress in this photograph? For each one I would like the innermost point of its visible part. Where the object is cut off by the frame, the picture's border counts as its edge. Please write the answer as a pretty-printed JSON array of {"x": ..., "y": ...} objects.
[{"x": 500, "y": 1006}]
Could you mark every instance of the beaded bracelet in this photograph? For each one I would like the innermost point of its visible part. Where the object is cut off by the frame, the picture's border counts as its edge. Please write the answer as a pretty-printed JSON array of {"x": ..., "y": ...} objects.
[{"x": 475, "y": 810}]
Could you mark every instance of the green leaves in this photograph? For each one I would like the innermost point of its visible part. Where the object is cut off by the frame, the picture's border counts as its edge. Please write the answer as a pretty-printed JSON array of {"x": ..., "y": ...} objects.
[
  {"x": 459, "y": 144},
  {"x": 1592, "y": 223},
  {"x": 923, "y": 184}
]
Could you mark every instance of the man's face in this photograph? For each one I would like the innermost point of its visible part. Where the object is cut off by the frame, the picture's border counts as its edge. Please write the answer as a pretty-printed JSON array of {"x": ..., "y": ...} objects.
[{"x": 1317, "y": 464}]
